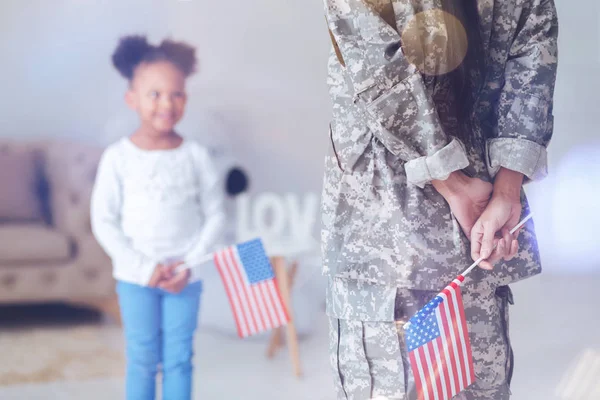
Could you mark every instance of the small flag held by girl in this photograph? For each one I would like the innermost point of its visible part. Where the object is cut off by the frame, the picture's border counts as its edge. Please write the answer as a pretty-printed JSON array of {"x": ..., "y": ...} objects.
[{"x": 251, "y": 288}]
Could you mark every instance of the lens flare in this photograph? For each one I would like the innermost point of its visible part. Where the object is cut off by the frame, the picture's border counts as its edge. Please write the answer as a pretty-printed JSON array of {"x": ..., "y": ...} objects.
[{"x": 435, "y": 42}]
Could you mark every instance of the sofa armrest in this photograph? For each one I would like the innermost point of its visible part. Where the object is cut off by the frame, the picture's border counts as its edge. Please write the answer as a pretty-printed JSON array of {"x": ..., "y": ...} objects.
[{"x": 70, "y": 172}]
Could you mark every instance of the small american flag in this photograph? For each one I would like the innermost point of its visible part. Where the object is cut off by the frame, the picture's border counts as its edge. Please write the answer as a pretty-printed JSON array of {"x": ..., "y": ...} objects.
[
  {"x": 251, "y": 287},
  {"x": 439, "y": 348}
]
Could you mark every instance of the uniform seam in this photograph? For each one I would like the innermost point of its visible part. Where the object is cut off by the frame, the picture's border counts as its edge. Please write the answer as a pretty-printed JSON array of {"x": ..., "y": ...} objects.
[
  {"x": 339, "y": 338},
  {"x": 337, "y": 157},
  {"x": 364, "y": 344}
]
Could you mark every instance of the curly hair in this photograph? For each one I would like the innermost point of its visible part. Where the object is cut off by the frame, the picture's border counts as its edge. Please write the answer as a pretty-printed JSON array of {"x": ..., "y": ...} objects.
[{"x": 134, "y": 50}]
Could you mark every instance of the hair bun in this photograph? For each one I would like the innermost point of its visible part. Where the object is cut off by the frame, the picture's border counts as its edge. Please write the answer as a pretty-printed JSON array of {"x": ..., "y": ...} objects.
[
  {"x": 181, "y": 54},
  {"x": 129, "y": 53}
]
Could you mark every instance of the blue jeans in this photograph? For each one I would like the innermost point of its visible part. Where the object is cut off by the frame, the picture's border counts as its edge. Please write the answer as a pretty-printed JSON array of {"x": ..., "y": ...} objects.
[{"x": 159, "y": 329}]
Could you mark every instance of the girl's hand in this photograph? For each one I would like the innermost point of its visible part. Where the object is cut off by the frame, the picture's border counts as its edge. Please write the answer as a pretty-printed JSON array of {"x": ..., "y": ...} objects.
[
  {"x": 162, "y": 273},
  {"x": 176, "y": 283},
  {"x": 501, "y": 215},
  {"x": 157, "y": 276},
  {"x": 467, "y": 197}
]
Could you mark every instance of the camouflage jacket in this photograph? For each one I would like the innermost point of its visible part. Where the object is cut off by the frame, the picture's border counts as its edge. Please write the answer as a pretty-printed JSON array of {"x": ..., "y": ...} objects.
[{"x": 393, "y": 131}]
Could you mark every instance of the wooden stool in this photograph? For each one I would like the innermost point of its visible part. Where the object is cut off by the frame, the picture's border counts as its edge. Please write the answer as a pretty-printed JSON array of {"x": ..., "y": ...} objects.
[{"x": 285, "y": 280}]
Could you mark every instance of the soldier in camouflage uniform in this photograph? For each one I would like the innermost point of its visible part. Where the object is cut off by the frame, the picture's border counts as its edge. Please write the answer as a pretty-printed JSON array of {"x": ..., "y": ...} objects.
[{"x": 402, "y": 128}]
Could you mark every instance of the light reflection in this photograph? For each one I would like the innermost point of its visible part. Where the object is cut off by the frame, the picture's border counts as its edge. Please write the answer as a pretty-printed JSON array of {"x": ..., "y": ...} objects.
[{"x": 582, "y": 380}]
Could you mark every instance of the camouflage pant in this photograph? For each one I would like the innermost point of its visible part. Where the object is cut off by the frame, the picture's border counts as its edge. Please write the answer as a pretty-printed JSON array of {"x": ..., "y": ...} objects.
[{"x": 370, "y": 360}]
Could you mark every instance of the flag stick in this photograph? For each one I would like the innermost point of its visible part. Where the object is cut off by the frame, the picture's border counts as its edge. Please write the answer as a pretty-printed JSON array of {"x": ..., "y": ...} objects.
[{"x": 201, "y": 261}]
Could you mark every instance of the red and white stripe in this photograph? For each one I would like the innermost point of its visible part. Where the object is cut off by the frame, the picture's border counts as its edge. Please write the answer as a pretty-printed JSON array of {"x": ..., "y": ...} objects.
[
  {"x": 256, "y": 308},
  {"x": 444, "y": 366}
]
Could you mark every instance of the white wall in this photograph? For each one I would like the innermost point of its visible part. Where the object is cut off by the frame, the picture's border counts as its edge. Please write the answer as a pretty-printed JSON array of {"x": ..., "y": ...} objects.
[
  {"x": 261, "y": 90},
  {"x": 566, "y": 203}
]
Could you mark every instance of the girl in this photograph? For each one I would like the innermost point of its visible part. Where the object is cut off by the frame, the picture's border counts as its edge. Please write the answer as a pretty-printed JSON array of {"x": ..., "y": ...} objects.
[
  {"x": 442, "y": 110},
  {"x": 157, "y": 210}
]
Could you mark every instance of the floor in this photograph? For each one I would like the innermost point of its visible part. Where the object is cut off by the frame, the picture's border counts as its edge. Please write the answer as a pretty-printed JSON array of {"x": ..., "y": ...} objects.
[{"x": 555, "y": 333}]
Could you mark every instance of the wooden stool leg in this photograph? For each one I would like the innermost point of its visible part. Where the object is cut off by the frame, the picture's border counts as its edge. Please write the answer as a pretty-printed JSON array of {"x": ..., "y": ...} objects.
[
  {"x": 275, "y": 342},
  {"x": 292, "y": 273},
  {"x": 283, "y": 282}
]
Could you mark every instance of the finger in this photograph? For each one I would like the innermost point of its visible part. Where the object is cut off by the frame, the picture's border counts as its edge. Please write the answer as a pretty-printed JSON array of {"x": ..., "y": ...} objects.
[
  {"x": 507, "y": 238},
  {"x": 487, "y": 242},
  {"x": 499, "y": 252},
  {"x": 181, "y": 271},
  {"x": 165, "y": 275},
  {"x": 177, "y": 289},
  {"x": 502, "y": 250},
  {"x": 154, "y": 280},
  {"x": 476, "y": 236},
  {"x": 486, "y": 265},
  {"x": 174, "y": 282},
  {"x": 496, "y": 255},
  {"x": 171, "y": 268},
  {"x": 180, "y": 281},
  {"x": 171, "y": 271},
  {"x": 168, "y": 288},
  {"x": 514, "y": 249},
  {"x": 167, "y": 283},
  {"x": 517, "y": 232}
]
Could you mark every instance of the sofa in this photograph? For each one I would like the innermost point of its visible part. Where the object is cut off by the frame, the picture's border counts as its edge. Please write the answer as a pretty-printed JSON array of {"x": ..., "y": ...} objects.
[{"x": 47, "y": 250}]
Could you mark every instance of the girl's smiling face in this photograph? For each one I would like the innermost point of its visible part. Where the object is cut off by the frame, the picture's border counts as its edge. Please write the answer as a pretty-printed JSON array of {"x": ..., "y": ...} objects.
[{"x": 157, "y": 94}]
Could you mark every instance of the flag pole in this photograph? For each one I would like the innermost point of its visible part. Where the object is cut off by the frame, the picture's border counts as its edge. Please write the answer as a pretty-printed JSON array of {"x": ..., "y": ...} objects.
[
  {"x": 512, "y": 231},
  {"x": 201, "y": 261}
]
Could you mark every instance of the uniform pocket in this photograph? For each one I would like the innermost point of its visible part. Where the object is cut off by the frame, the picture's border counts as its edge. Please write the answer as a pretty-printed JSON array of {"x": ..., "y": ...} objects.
[
  {"x": 404, "y": 120},
  {"x": 506, "y": 300}
]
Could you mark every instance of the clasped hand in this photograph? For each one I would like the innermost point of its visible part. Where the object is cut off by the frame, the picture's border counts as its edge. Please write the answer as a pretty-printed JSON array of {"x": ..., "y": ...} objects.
[
  {"x": 167, "y": 278},
  {"x": 486, "y": 213}
]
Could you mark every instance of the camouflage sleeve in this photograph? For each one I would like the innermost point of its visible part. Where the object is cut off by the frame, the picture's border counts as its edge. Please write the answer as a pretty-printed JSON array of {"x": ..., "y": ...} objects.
[
  {"x": 525, "y": 120},
  {"x": 399, "y": 109}
]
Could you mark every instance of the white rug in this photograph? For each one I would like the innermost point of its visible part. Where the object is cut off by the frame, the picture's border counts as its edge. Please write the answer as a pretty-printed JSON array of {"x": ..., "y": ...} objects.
[{"x": 46, "y": 354}]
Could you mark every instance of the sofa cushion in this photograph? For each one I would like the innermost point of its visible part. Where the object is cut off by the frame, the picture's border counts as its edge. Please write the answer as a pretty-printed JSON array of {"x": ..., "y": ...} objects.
[
  {"x": 32, "y": 243},
  {"x": 21, "y": 184}
]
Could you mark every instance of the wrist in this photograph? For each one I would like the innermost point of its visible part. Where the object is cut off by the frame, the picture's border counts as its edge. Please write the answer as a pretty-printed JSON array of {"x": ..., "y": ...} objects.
[
  {"x": 453, "y": 185},
  {"x": 508, "y": 183}
]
